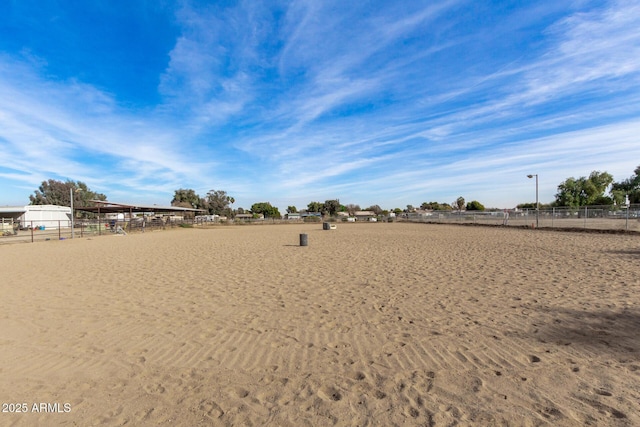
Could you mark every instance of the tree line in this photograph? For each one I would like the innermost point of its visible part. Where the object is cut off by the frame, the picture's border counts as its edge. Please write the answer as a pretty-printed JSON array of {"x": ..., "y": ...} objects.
[
  {"x": 592, "y": 190},
  {"x": 572, "y": 192},
  {"x": 52, "y": 192}
]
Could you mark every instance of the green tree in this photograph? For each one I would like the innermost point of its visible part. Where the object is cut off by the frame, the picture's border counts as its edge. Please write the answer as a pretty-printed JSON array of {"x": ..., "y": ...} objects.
[
  {"x": 570, "y": 192},
  {"x": 330, "y": 207},
  {"x": 187, "y": 198},
  {"x": 266, "y": 209},
  {"x": 628, "y": 187},
  {"x": 315, "y": 207},
  {"x": 584, "y": 191},
  {"x": 292, "y": 209},
  {"x": 458, "y": 204},
  {"x": 53, "y": 192},
  {"x": 218, "y": 201},
  {"x": 435, "y": 206},
  {"x": 475, "y": 206}
]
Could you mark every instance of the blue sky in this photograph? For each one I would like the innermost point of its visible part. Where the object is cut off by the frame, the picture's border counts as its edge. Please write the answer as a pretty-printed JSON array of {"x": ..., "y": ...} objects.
[{"x": 370, "y": 102}]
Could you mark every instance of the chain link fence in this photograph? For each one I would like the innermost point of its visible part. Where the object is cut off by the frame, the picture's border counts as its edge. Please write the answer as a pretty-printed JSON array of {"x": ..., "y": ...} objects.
[{"x": 586, "y": 217}]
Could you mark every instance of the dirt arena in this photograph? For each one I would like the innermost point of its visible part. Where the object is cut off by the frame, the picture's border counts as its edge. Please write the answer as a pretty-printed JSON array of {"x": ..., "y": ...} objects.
[{"x": 376, "y": 324}]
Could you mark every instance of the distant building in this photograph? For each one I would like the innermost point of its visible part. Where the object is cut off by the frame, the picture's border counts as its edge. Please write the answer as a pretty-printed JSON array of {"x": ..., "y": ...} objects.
[
  {"x": 365, "y": 215},
  {"x": 292, "y": 215},
  {"x": 311, "y": 214},
  {"x": 33, "y": 216}
]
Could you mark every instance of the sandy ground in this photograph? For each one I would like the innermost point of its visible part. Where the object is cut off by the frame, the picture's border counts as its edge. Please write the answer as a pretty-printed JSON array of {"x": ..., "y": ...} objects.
[{"x": 371, "y": 324}]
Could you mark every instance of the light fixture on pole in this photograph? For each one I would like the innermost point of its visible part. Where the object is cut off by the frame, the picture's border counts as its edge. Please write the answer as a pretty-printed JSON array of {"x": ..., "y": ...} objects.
[{"x": 537, "y": 204}]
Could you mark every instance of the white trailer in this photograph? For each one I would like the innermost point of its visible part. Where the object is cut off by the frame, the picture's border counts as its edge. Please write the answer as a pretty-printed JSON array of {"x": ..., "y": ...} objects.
[{"x": 47, "y": 216}]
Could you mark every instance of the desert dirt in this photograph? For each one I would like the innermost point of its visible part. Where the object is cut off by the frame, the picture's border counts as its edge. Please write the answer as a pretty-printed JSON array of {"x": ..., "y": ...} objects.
[{"x": 370, "y": 324}]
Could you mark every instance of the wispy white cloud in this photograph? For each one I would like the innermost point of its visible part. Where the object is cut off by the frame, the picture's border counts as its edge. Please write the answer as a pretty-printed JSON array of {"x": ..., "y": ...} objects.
[{"x": 68, "y": 130}]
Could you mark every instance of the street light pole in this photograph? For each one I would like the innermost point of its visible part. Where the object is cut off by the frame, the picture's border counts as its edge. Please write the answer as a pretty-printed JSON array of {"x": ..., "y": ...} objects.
[
  {"x": 71, "y": 196},
  {"x": 537, "y": 204}
]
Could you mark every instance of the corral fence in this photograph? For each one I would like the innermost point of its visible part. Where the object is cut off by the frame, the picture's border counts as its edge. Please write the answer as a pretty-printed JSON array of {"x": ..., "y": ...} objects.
[
  {"x": 14, "y": 231},
  {"x": 587, "y": 217}
]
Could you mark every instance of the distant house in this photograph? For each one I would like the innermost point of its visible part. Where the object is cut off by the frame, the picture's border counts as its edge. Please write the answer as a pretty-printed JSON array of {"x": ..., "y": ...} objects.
[
  {"x": 365, "y": 215},
  {"x": 292, "y": 215}
]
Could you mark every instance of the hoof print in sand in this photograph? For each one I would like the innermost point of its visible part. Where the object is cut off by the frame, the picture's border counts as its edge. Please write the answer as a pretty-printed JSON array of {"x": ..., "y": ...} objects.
[
  {"x": 379, "y": 394},
  {"x": 211, "y": 409},
  {"x": 154, "y": 388},
  {"x": 358, "y": 376},
  {"x": 330, "y": 394}
]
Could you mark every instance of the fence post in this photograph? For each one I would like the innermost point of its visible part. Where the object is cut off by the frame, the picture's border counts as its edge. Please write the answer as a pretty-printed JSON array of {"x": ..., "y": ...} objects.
[
  {"x": 553, "y": 215},
  {"x": 59, "y": 231},
  {"x": 31, "y": 228},
  {"x": 626, "y": 221},
  {"x": 586, "y": 214}
]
